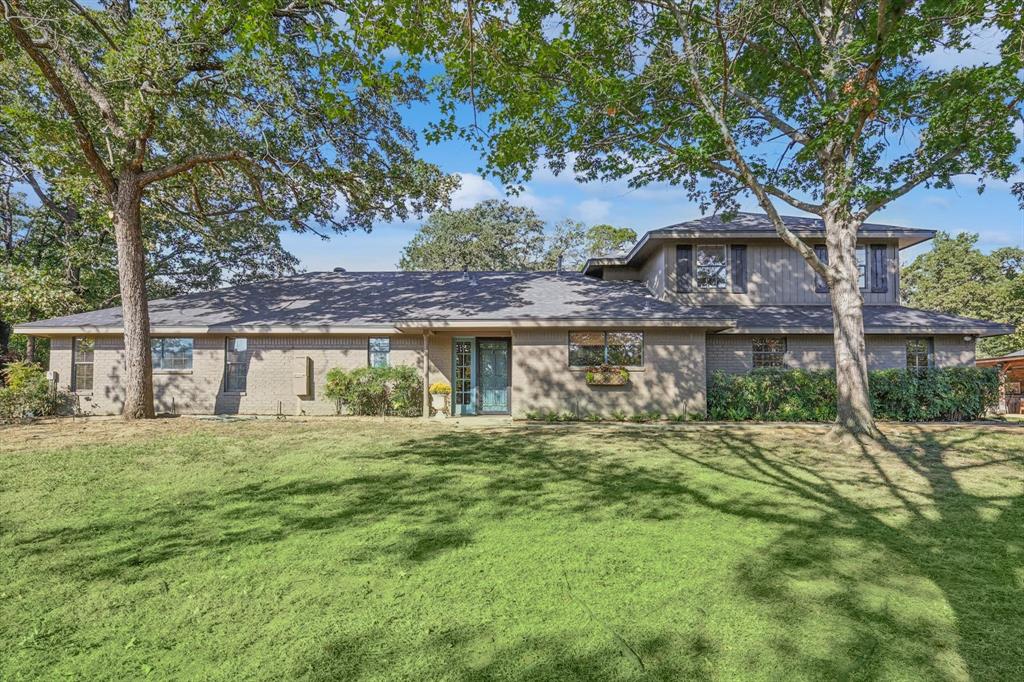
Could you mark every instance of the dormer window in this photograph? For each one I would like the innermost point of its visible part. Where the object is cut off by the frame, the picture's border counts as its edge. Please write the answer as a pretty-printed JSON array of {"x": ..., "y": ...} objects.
[{"x": 712, "y": 267}]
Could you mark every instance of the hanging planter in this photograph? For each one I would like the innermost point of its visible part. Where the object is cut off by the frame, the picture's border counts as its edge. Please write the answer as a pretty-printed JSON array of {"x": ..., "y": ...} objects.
[{"x": 607, "y": 375}]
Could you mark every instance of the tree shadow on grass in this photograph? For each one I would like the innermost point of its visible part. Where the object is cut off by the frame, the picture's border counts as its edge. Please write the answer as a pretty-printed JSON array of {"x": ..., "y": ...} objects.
[{"x": 868, "y": 543}]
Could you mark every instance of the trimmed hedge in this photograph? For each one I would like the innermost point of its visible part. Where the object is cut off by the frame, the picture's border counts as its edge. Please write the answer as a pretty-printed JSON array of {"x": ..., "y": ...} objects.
[
  {"x": 950, "y": 394},
  {"x": 377, "y": 391}
]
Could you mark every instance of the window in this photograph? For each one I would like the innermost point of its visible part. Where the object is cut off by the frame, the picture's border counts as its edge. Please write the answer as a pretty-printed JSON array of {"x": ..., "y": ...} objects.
[
  {"x": 236, "y": 364},
  {"x": 380, "y": 348},
  {"x": 920, "y": 354},
  {"x": 862, "y": 267},
  {"x": 587, "y": 349},
  {"x": 171, "y": 354},
  {"x": 769, "y": 351},
  {"x": 81, "y": 363},
  {"x": 712, "y": 270}
]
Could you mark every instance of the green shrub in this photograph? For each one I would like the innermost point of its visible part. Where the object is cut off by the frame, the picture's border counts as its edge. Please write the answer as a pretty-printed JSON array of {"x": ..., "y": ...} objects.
[
  {"x": 951, "y": 394},
  {"x": 377, "y": 391},
  {"x": 28, "y": 394}
]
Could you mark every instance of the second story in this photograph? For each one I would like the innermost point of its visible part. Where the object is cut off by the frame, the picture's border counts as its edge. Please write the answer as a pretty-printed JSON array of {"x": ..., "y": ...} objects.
[{"x": 744, "y": 262}]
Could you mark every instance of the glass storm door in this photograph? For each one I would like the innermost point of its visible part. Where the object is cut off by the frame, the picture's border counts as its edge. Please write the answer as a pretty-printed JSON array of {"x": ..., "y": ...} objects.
[
  {"x": 464, "y": 386},
  {"x": 493, "y": 360}
]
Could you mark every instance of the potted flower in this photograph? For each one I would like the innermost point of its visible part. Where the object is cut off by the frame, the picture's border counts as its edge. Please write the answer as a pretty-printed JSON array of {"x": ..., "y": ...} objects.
[
  {"x": 439, "y": 392},
  {"x": 607, "y": 375}
]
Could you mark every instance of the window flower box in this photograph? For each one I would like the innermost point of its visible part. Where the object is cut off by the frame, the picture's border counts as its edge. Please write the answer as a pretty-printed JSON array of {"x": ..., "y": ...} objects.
[{"x": 607, "y": 375}]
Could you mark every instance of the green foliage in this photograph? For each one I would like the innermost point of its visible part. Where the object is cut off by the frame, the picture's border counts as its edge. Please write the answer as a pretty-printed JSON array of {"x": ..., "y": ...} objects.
[
  {"x": 956, "y": 277},
  {"x": 377, "y": 391},
  {"x": 493, "y": 235},
  {"x": 27, "y": 394},
  {"x": 949, "y": 394},
  {"x": 607, "y": 375},
  {"x": 608, "y": 240}
]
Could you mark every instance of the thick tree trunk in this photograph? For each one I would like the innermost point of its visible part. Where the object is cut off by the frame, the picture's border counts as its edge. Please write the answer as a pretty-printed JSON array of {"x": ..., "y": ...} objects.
[
  {"x": 30, "y": 349},
  {"x": 853, "y": 399},
  {"x": 131, "y": 270}
]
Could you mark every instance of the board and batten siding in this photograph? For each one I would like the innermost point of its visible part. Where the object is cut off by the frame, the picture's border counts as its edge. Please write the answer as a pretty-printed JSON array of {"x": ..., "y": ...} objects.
[
  {"x": 776, "y": 275},
  {"x": 733, "y": 353}
]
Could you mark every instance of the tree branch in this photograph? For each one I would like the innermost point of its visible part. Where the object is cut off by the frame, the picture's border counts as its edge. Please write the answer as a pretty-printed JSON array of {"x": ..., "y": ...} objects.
[
  {"x": 743, "y": 171},
  {"x": 176, "y": 168},
  {"x": 60, "y": 90}
]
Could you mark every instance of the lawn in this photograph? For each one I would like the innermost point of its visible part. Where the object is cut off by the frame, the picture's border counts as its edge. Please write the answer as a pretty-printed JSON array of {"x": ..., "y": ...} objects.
[{"x": 350, "y": 550}]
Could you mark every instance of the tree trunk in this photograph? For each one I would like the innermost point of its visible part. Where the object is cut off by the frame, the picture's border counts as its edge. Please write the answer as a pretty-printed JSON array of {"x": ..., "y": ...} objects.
[
  {"x": 30, "y": 349},
  {"x": 131, "y": 271},
  {"x": 853, "y": 397}
]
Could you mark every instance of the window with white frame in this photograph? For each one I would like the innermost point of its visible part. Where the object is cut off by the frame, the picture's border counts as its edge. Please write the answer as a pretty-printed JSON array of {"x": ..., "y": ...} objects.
[
  {"x": 711, "y": 269},
  {"x": 82, "y": 354},
  {"x": 171, "y": 353},
  {"x": 769, "y": 351},
  {"x": 380, "y": 351},
  {"x": 920, "y": 354},
  {"x": 236, "y": 364}
]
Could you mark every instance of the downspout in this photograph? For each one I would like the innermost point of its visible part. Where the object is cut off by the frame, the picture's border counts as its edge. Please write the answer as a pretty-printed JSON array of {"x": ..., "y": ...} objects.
[{"x": 426, "y": 376}]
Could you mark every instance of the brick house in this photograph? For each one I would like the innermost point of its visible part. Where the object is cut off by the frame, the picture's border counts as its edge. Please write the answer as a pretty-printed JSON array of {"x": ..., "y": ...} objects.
[{"x": 685, "y": 301}]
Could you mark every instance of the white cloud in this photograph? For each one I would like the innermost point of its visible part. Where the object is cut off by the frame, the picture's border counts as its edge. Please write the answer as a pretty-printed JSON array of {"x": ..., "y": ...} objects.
[
  {"x": 983, "y": 49},
  {"x": 593, "y": 210},
  {"x": 473, "y": 189}
]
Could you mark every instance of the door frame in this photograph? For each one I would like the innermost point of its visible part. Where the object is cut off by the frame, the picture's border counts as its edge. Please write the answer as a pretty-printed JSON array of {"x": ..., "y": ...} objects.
[
  {"x": 508, "y": 374},
  {"x": 473, "y": 403}
]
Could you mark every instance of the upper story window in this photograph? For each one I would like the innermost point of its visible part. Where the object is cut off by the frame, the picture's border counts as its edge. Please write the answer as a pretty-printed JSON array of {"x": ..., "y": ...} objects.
[
  {"x": 711, "y": 269},
  {"x": 236, "y": 364},
  {"x": 862, "y": 266},
  {"x": 920, "y": 354},
  {"x": 380, "y": 351},
  {"x": 769, "y": 351},
  {"x": 171, "y": 353},
  {"x": 82, "y": 353},
  {"x": 587, "y": 349}
]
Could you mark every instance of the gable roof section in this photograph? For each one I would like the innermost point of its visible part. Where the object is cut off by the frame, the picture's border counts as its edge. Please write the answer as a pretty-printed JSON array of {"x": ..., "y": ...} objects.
[
  {"x": 342, "y": 302},
  {"x": 748, "y": 226}
]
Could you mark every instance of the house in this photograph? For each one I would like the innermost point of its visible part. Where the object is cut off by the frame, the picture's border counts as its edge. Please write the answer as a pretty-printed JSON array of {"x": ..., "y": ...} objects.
[
  {"x": 1011, "y": 389},
  {"x": 685, "y": 301}
]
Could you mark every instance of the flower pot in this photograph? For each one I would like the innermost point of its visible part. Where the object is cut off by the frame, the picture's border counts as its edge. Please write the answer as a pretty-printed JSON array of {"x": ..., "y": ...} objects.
[{"x": 439, "y": 404}]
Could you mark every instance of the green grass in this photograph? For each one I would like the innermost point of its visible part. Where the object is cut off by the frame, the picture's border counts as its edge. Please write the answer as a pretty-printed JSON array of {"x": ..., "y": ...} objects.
[{"x": 349, "y": 550}]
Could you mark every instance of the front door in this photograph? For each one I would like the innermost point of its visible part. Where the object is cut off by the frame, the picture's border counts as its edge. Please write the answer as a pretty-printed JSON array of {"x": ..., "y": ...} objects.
[{"x": 493, "y": 362}]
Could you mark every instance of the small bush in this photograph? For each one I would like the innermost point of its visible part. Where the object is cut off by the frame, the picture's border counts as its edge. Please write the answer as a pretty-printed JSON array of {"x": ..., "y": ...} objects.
[
  {"x": 377, "y": 391},
  {"x": 28, "y": 394},
  {"x": 951, "y": 394},
  {"x": 440, "y": 388}
]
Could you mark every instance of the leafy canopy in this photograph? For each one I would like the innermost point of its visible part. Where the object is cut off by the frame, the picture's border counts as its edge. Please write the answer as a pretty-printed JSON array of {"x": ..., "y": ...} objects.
[
  {"x": 830, "y": 107},
  {"x": 496, "y": 235},
  {"x": 956, "y": 277},
  {"x": 271, "y": 114}
]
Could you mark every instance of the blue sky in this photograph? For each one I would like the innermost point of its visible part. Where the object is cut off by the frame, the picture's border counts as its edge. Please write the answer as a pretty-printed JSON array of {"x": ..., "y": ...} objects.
[{"x": 995, "y": 215}]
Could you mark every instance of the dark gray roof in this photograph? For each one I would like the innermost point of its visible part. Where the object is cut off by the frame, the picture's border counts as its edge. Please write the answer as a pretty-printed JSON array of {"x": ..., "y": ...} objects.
[
  {"x": 746, "y": 226},
  {"x": 877, "y": 319},
  {"x": 759, "y": 222},
  {"x": 347, "y": 299}
]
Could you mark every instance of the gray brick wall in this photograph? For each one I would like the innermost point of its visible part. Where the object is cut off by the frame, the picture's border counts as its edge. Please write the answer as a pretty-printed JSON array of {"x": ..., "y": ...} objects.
[{"x": 733, "y": 353}]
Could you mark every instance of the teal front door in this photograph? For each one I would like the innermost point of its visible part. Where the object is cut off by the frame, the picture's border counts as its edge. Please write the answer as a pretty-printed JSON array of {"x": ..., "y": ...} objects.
[{"x": 493, "y": 375}]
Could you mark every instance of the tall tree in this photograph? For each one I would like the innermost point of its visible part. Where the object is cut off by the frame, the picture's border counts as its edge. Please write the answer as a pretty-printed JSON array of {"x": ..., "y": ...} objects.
[
  {"x": 608, "y": 240},
  {"x": 828, "y": 107},
  {"x": 956, "y": 277},
  {"x": 493, "y": 235},
  {"x": 221, "y": 108}
]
